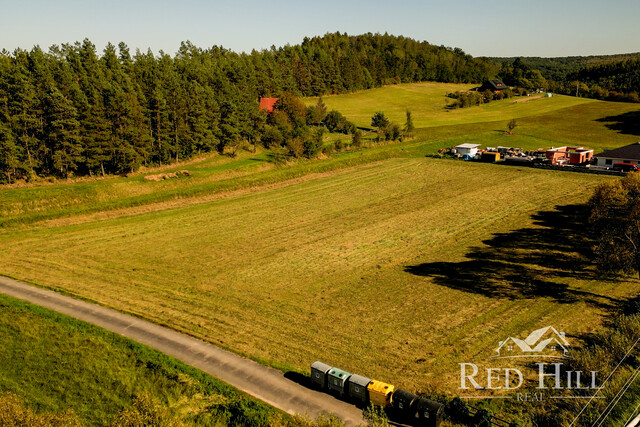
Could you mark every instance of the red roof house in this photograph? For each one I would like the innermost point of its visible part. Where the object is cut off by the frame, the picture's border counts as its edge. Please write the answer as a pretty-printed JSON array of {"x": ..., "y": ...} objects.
[{"x": 267, "y": 104}]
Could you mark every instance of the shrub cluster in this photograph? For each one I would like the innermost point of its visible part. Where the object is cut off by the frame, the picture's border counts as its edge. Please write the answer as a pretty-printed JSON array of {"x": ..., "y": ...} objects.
[
  {"x": 466, "y": 99},
  {"x": 300, "y": 129}
]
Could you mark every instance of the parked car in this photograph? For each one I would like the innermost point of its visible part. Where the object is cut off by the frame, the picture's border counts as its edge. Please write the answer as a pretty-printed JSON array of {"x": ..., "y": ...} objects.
[{"x": 625, "y": 167}]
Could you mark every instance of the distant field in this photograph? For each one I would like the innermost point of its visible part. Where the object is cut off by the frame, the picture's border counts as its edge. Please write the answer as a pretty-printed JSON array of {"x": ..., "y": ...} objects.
[
  {"x": 542, "y": 123},
  {"x": 427, "y": 102},
  {"x": 398, "y": 269}
]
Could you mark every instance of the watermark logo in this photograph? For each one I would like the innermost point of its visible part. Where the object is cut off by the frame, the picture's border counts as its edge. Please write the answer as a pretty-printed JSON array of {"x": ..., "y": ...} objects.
[
  {"x": 543, "y": 342},
  {"x": 554, "y": 380}
]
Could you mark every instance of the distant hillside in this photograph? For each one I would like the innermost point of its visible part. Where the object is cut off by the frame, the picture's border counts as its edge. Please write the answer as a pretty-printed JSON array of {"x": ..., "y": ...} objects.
[
  {"x": 620, "y": 76},
  {"x": 611, "y": 77},
  {"x": 559, "y": 68}
]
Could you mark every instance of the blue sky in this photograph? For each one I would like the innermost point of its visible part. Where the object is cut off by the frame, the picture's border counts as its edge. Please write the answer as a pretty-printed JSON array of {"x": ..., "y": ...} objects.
[{"x": 480, "y": 28}]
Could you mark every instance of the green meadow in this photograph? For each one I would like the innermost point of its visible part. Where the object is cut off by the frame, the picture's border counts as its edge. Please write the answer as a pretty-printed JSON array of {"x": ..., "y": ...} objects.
[
  {"x": 379, "y": 260},
  {"x": 427, "y": 102}
]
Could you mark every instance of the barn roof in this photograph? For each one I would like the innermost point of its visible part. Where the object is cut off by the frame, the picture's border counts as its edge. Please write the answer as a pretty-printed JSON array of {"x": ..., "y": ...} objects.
[
  {"x": 494, "y": 84},
  {"x": 631, "y": 151},
  {"x": 268, "y": 104}
]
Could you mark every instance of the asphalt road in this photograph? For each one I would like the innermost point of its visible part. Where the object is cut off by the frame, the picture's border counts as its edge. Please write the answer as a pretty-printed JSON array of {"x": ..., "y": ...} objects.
[{"x": 266, "y": 384}]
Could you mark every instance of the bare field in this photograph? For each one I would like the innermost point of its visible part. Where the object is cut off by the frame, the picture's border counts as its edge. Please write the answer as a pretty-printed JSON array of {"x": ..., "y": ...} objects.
[{"x": 398, "y": 269}]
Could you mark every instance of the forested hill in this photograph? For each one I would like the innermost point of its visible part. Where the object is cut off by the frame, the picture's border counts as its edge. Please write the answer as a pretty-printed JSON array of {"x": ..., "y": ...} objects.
[
  {"x": 76, "y": 111},
  {"x": 559, "y": 69},
  {"x": 613, "y": 77},
  {"x": 622, "y": 76}
]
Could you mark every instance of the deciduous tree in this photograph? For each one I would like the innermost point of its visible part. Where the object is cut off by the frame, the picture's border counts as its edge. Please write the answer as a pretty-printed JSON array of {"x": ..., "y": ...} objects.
[{"x": 615, "y": 215}]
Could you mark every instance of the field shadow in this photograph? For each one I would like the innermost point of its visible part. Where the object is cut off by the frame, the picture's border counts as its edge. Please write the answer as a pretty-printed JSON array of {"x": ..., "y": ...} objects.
[
  {"x": 299, "y": 378},
  {"x": 627, "y": 123},
  {"x": 527, "y": 263}
]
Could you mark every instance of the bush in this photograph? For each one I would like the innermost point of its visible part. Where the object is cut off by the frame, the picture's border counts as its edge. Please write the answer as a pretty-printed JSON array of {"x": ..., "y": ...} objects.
[
  {"x": 279, "y": 156},
  {"x": 310, "y": 148},
  {"x": 392, "y": 132},
  {"x": 295, "y": 148},
  {"x": 14, "y": 413},
  {"x": 379, "y": 120},
  {"x": 356, "y": 138},
  {"x": 469, "y": 99},
  {"x": 336, "y": 122},
  {"x": 457, "y": 410},
  {"x": 244, "y": 412},
  {"x": 272, "y": 137},
  {"x": 374, "y": 416},
  {"x": 483, "y": 418}
]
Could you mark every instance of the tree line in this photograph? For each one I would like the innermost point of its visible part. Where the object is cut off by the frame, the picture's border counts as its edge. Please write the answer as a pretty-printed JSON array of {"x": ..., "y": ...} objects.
[
  {"x": 611, "y": 80},
  {"x": 616, "y": 81},
  {"x": 73, "y": 111}
]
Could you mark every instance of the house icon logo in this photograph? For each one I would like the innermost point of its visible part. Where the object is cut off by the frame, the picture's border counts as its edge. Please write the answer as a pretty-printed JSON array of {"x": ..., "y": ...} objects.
[{"x": 543, "y": 342}]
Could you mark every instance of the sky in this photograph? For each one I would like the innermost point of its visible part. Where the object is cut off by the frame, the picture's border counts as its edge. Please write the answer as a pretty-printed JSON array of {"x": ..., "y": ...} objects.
[{"x": 479, "y": 27}]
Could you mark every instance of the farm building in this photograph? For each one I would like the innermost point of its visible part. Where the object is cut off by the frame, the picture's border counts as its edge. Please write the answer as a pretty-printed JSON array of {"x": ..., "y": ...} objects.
[
  {"x": 569, "y": 155},
  {"x": 495, "y": 85},
  {"x": 268, "y": 104},
  {"x": 469, "y": 150},
  {"x": 626, "y": 154}
]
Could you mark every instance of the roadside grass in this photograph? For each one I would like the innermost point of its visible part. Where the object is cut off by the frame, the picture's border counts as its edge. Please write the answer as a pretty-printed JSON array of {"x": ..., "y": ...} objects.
[
  {"x": 55, "y": 363},
  {"x": 399, "y": 269}
]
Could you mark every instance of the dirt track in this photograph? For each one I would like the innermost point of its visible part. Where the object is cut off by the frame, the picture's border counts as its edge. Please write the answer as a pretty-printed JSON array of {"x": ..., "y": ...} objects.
[{"x": 266, "y": 384}]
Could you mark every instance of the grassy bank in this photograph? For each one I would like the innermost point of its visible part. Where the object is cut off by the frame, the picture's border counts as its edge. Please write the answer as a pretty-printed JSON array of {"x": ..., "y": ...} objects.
[{"x": 55, "y": 364}]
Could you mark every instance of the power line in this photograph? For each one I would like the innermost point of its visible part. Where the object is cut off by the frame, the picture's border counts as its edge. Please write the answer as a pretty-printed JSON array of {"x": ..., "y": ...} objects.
[
  {"x": 616, "y": 399},
  {"x": 605, "y": 381}
]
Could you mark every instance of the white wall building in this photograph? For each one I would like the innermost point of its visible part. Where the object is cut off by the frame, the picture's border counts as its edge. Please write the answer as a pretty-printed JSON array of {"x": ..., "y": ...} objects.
[
  {"x": 467, "y": 149},
  {"x": 626, "y": 154}
]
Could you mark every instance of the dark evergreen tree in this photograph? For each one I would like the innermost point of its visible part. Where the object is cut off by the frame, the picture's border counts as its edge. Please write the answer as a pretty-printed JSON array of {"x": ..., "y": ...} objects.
[
  {"x": 408, "y": 125},
  {"x": 9, "y": 154},
  {"x": 72, "y": 110},
  {"x": 63, "y": 132}
]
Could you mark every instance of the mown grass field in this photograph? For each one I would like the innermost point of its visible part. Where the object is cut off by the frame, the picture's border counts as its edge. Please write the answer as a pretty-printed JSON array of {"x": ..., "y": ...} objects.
[
  {"x": 371, "y": 268},
  {"x": 55, "y": 364},
  {"x": 379, "y": 260}
]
